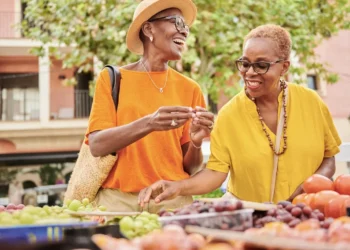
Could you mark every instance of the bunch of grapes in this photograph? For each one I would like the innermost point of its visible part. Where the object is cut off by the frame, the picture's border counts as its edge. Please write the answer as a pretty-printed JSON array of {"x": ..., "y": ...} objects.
[
  {"x": 81, "y": 206},
  {"x": 292, "y": 215},
  {"x": 198, "y": 207},
  {"x": 140, "y": 225},
  {"x": 29, "y": 215}
]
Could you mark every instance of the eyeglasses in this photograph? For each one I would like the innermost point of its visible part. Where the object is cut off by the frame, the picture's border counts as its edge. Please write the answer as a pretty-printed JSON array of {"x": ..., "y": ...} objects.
[
  {"x": 258, "y": 67},
  {"x": 179, "y": 22}
]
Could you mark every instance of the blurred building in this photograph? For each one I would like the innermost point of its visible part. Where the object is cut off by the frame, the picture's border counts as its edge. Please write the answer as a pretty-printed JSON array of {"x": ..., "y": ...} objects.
[{"x": 41, "y": 120}]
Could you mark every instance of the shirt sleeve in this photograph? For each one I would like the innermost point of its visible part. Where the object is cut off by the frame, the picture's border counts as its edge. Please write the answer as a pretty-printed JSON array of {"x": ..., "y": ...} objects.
[
  {"x": 332, "y": 140},
  {"x": 198, "y": 100},
  {"x": 219, "y": 159},
  {"x": 103, "y": 114}
]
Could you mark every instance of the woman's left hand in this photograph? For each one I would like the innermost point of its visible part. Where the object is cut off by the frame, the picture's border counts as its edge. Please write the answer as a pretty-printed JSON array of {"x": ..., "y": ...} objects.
[{"x": 201, "y": 126}]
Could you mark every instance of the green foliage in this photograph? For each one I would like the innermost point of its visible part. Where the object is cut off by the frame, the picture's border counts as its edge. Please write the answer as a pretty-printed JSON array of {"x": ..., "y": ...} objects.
[
  {"x": 49, "y": 173},
  {"x": 7, "y": 175},
  {"x": 214, "y": 194},
  {"x": 98, "y": 28}
]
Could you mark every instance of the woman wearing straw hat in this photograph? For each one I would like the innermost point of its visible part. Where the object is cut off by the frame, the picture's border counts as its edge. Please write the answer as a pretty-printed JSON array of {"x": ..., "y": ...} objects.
[{"x": 161, "y": 121}]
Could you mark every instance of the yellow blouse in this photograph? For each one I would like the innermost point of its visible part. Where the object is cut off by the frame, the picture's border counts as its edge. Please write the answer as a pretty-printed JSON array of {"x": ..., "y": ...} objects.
[{"x": 239, "y": 145}]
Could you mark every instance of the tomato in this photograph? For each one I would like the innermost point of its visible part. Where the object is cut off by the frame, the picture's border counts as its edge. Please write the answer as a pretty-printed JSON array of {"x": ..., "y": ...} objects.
[
  {"x": 322, "y": 198},
  {"x": 344, "y": 206},
  {"x": 334, "y": 206},
  {"x": 299, "y": 198},
  {"x": 342, "y": 184},
  {"x": 308, "y": 200},
  {"x": 316, "y": 183}
]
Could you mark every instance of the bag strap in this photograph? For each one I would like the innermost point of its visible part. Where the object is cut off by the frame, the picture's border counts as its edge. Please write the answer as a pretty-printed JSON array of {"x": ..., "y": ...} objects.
[
  {"x": 277, "y": 146},
  {"x": 115, "y": 76}
]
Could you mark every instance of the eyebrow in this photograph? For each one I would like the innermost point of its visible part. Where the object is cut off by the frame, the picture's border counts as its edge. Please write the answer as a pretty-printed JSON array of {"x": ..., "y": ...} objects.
[{"x": 257, "y": 59}]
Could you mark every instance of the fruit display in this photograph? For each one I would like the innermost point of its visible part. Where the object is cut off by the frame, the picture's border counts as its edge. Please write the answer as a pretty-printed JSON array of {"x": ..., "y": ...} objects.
[
  {"x": 338, "y": 232},
  {"x": 224, "y": 214},
  {"x": 198, "y": 207},
  {"x": 331, "y": 198},
  {"x": 170, "y": 238},
  {"x": 140, "y": 225},
  {"x": 316, "y": 183},
  {"x": 292, "y": 215},
  {"x": 13, "y": 215},
  {"x": 342, "y": 184},
  {"x": 30, "y": 215},
  {"x": 82, "y": 206}
]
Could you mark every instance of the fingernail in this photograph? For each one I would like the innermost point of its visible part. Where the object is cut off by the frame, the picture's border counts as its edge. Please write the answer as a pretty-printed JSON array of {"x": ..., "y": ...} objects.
[
  {"x": 193, "y": 115},
  {"x": 190, "y": 109},
  {"x": 198, "y": 113}
]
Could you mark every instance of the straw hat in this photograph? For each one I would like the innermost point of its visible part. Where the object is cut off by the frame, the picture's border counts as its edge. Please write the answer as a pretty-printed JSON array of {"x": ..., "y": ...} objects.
[{"x": 148, "y": 8}]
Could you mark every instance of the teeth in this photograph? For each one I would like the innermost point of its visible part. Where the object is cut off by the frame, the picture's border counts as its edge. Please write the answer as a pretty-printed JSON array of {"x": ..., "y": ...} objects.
[
  {"x": 254, "y": 84},
  {"x": 179, "y": 41}
]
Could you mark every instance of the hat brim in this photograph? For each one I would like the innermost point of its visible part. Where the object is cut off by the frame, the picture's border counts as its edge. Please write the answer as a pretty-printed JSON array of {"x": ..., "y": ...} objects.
[{"x": 187, "y": 7}]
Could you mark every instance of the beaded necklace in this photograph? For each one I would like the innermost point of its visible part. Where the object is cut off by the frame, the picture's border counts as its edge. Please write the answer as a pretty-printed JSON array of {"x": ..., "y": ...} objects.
[{"x": 283, "y": 85}]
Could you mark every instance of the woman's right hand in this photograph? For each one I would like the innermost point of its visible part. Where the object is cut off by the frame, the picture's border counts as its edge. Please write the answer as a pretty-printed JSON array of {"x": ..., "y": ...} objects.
[
  {"x": 170, "y": 117},
  {"x": 159, "y": 191}
]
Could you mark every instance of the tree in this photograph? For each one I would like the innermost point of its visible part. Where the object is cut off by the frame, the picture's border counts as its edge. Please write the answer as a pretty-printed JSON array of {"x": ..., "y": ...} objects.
[{"x": 98, "y": 28}]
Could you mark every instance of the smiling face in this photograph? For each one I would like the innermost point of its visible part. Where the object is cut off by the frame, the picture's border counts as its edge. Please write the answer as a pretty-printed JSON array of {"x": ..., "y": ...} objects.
[
  {"x": 167, "y": 40},
  {"x": 262, "y": 50}
]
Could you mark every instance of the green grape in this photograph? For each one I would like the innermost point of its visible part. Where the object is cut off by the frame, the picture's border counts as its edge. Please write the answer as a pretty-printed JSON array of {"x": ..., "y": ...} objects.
[
  {"x": 153, "y": 225},
  {"x": 26, "y": 218},
  {"x": 144, "y": 214},
  {"x": 74, "y": 205},
  {"x": 154, "y": 217},
  {"x": 16, "y": 214},
  {"x": 144, "y": 220},
  {"x": 138, "y": 225},
  {"x": 67, "y": 202},
  {"x": 102, "y": 208},
  {"x": 81, "y": 209},
  {"x": 130, "y": 234},
  {"x": 126, "y": 224},
  {"x": 85, "y": 201}
]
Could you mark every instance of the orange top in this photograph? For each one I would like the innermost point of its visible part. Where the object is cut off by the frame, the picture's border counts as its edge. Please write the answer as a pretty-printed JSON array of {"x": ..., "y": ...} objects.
[{"x": 158, "y": 155}]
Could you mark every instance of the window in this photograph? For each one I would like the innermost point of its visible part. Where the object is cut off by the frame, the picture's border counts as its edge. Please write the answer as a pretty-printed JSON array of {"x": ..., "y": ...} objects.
[
  {"x": 19, "y": 97},
  {"x": 311, "y": 82}
]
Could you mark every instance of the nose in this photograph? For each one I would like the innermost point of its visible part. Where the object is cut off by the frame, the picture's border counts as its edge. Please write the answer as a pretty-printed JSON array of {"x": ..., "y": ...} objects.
[
  {"x": 250, "y": 71},
  {"x": 185, "y": 32}
]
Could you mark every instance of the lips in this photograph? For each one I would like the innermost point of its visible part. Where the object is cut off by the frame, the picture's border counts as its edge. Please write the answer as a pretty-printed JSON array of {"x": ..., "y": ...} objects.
[{"x": 253, "y": 84}]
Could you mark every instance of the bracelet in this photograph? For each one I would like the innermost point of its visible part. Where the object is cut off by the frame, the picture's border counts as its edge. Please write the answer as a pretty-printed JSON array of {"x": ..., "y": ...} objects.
[{"x": 194, "y": 144}]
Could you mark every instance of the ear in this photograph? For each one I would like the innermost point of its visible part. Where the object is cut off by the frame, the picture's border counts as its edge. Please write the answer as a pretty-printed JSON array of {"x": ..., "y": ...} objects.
[
  {"x": 147, "y": 29},
  {"x": 285, "y": 68}
]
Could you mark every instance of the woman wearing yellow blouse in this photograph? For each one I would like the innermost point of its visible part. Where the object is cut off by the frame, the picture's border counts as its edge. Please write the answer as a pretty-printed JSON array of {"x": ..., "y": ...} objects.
[{"x": 243, "y": 139}]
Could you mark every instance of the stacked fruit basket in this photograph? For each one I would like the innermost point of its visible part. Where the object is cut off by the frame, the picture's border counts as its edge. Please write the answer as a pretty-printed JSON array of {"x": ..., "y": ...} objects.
[{"x": 315, "y": 219}]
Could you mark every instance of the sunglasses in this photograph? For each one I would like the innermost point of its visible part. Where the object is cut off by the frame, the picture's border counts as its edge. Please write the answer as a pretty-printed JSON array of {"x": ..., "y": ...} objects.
[
  {"x": 258, "y": 67},
  {"x": 179, "y": 22}
]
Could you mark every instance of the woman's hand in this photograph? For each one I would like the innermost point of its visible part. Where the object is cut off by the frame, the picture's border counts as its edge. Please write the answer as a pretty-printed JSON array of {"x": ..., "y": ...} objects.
[
  {"x": 170, "y": 117},
  {"x": 297, "y": 191},
  {"x": 202, "y": 124},
  {"x": 159, "y": 191}
]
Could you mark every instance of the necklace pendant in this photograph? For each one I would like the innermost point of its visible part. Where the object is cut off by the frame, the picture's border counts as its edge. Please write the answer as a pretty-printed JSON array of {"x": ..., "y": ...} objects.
[{"x": 161, "y": 90}]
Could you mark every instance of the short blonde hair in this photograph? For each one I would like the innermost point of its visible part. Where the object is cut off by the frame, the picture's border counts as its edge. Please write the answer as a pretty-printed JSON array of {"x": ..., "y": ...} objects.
[{"x": 275, "y": 32}]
